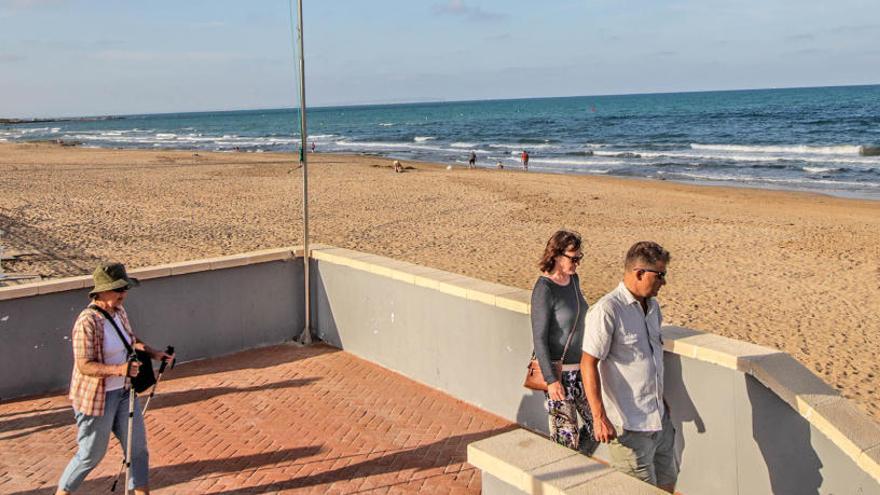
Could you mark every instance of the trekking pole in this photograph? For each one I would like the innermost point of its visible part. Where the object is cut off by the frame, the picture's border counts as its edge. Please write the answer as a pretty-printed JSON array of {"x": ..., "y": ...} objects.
[
  {"x": 131, "y": 398},
  {"x": 168, "y": 350}
]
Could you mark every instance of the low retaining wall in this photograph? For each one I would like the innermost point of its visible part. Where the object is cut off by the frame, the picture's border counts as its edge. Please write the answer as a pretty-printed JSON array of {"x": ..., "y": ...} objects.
[
  {"x": 205, "y": 308},
  {"x": 750, "y": 419},
  {"x": 521, "y": 462}
]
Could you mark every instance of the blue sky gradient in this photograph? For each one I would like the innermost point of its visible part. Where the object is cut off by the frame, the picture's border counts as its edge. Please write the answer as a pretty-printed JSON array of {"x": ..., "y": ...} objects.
[{"x": 100, "y": 57}]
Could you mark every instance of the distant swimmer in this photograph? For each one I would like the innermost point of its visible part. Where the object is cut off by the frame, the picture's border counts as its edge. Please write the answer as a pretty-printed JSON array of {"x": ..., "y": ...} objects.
[
  {"x": 472, "y": 160},
  {"x": 525, "y": 160}
]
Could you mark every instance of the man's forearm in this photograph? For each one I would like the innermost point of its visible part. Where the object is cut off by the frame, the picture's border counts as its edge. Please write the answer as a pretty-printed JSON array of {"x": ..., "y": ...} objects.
[{"x": 593, "y": 385}]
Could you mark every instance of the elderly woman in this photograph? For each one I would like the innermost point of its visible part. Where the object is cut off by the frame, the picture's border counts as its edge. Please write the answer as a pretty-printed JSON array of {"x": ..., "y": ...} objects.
[
  {"x": 558, "y": 310},
  {"x": 98, "y": 386}
]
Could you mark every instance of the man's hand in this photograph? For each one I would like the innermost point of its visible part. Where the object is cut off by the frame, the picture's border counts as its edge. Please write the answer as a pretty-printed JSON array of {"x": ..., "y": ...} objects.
[
  {"x": 603, "y": 429},
  {"x": 555, "y": 391}
]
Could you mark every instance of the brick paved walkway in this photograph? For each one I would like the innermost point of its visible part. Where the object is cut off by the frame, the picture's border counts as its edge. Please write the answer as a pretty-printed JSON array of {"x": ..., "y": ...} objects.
[{"x": 275, "y": 420}]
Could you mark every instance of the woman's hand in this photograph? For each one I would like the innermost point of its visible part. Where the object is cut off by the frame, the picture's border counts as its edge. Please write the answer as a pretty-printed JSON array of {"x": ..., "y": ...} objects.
[
  {"x": 163, "y": 356},
  {"x": 129, "y": 369},
  {"x": 555, "y": 391}
]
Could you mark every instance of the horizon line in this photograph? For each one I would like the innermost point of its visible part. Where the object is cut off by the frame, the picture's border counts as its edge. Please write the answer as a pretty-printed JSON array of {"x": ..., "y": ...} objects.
[{"x": 416, "y": 101}]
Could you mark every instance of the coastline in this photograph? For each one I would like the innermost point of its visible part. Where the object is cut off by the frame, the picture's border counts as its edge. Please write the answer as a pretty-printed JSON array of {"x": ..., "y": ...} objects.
[{"x": 793, "y": 270}]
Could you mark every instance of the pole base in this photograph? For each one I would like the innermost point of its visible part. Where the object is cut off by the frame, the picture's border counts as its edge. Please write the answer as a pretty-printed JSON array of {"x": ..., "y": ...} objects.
[{"x": 305, "y": 338}]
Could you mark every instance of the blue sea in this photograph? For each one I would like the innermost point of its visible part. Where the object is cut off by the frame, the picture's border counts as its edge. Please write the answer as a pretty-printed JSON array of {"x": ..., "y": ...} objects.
[{"x": 813, "y": 139}]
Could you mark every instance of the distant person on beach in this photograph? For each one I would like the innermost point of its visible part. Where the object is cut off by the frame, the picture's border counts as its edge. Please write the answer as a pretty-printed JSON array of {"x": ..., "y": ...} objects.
[
  {"x": 525, "y": 160},
  {"x": 98, "y": 388},
  {"x": 472, "y": 160},
  {"x": 313, "y": 146},
  {"x": 398, "y": 168},
  {"x": 558, "y": 310},
  {"x": 623, "y": 353},
  {"x": 499, "y": 165}
]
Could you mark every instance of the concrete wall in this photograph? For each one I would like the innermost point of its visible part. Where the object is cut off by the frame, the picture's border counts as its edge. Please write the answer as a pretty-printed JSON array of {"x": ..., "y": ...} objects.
[
  {"x": 750, "y": 419},
  {"x": 205, "y": 309}
]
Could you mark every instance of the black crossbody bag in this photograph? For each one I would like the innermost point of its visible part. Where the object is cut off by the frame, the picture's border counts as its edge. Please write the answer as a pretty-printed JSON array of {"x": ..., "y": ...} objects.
[{"x": 145, "y": 378}]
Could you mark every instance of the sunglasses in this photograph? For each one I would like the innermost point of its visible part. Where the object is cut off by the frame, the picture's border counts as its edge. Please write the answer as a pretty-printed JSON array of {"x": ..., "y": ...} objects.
[
  {"x": 121, "y": 290},
  {"x": 660, "y": 275},
  {"x": 574, "y": 259}
]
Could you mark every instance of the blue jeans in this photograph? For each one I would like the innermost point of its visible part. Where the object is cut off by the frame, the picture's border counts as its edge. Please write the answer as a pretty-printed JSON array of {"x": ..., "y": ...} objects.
[{"x": 93, "y": 436}]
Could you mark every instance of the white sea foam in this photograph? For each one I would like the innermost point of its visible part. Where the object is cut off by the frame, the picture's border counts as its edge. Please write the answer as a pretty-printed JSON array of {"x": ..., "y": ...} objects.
[
  {"x": 819, "y": 170},
  {"x": 166, "y": 135},
  {"x": 515, "y": 146},
  {"x": 386, "y": 124},
  {"x": 422, "y": 139},
  {"x": 462, "y": 145},
  {"x": 800, "y": 149}
]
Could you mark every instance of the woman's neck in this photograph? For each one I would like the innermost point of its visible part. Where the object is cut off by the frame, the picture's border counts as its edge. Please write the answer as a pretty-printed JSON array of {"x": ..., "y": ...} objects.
[
  {"x": 105, "y": 306},
  {"x": 559, "y": 278}
]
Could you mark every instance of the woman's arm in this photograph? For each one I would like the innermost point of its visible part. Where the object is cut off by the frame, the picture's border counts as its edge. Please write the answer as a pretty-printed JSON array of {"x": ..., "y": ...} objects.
[{"x": 542, "y": 311}]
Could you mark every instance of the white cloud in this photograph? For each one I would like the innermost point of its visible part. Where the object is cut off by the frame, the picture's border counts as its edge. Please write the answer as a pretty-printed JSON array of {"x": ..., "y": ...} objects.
[{"x": 458, "y": 8}]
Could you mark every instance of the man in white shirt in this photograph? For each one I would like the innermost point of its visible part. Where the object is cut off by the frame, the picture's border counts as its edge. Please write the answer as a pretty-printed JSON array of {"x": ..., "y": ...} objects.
[{"x": 622, "y": 366}]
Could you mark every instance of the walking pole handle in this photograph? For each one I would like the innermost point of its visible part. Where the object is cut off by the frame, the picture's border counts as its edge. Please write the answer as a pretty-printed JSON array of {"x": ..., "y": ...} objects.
[{"x": 168, "y": 350}]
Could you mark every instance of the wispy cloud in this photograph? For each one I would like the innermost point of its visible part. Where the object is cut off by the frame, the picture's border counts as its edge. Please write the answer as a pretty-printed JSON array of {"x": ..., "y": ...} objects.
[
  {"x": 855, "y": 28},
  {"x": 499, "y": 37},
  {"x": 801, "y": 37},
  {"x": 9, "y": 58},
  {"x": 458, "y": 8},
  {"x": 27, "y": 4}
]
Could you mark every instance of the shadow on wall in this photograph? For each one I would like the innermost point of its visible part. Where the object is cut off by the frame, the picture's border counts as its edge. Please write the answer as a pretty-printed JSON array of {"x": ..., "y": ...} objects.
[
  {"x": 323, "y": 324},
  {"x": 681, "y": 407},
  {"x": 783, "y": 438},
  {"x": 532, "y": 414}
]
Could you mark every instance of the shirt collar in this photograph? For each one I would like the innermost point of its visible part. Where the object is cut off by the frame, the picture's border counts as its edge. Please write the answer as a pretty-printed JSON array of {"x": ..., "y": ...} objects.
[{"x": 625, "y": 294}]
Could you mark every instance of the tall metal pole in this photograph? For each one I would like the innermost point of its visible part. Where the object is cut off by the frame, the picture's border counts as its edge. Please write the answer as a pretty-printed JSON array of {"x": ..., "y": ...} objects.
[{"x": 306, "y": 337}]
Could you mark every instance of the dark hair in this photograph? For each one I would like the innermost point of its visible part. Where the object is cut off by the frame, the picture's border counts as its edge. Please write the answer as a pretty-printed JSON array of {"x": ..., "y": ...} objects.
[
  {"x": 647, "y": 252},
  {"x": 559, "y": 243}
]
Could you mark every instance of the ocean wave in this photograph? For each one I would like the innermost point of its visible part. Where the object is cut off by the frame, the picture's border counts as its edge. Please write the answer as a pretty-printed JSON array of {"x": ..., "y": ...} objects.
[
  {"x": 800, "y": 149},
  {"x": 422, "y": 139},
  {"x": 520, "y": 146},
  {"x": 462, "y": 145},
  {"x": 386, "y": 124}
]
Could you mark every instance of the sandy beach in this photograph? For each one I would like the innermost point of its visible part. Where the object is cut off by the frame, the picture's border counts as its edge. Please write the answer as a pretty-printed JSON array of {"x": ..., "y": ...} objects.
[{"x": 795, "y": 271}]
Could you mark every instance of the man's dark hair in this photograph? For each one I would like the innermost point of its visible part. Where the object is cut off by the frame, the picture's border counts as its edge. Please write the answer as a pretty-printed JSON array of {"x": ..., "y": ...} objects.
[{"x": 645, "y": 252}]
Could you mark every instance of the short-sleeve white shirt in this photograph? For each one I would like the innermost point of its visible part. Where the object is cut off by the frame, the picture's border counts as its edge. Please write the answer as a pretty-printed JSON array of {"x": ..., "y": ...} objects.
[{"x": 628, "y": 344}]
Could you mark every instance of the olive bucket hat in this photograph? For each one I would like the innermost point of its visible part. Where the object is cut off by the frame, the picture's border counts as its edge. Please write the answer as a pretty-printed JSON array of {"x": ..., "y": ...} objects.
[{"x": 111, "y": 276}]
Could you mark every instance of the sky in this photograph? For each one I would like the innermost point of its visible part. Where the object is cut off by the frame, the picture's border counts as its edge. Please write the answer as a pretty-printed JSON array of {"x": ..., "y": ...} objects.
[{"x": 109, "y": 57}]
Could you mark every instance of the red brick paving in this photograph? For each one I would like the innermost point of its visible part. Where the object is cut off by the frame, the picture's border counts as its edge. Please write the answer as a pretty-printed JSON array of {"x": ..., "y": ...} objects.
[{"x": 282, "y": 419}]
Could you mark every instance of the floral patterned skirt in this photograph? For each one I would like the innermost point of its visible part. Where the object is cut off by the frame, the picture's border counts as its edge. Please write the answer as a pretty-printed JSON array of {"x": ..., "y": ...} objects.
[{"x": 563, "y": 416}]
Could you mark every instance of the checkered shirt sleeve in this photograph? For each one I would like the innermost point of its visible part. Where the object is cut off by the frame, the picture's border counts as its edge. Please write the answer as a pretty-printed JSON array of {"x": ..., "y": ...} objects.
[{"x": 87, "y": 392}]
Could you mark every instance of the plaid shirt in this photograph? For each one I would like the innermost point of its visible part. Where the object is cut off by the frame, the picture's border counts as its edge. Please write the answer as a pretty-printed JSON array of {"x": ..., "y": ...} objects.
[{"x": 87, "y": 392}]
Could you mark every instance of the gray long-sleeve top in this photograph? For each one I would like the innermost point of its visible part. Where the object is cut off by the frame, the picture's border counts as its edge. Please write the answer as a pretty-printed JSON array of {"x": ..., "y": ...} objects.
[{"x": 554, "y": 308}]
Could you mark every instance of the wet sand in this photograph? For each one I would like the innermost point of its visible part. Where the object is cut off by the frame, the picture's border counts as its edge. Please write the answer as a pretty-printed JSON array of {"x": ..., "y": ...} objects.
[{"x": 796, "y": 271}]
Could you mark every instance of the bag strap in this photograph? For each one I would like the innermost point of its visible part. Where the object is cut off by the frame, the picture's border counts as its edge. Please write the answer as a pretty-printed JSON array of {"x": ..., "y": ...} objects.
[
  {"x": 115, "y": 326},
  {"x": 576, "y": 318}
]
